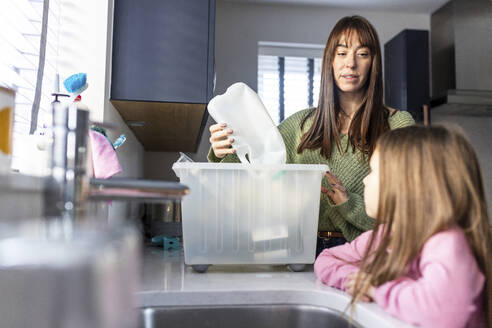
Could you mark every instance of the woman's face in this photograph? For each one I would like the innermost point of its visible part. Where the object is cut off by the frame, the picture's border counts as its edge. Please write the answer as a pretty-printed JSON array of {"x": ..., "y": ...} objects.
[
  {"x": 371, "y": 186},
  {"x": 351, "y": 64}
]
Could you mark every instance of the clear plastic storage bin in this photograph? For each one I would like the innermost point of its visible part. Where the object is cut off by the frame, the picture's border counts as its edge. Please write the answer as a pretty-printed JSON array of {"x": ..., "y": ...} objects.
[{"x": 249, "y": 213}]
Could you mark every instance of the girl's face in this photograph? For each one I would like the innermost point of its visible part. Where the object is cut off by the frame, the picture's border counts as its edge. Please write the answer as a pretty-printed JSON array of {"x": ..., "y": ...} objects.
[
  {"x": 371, "y": 186},
  {"x": 351, "y": 64}
]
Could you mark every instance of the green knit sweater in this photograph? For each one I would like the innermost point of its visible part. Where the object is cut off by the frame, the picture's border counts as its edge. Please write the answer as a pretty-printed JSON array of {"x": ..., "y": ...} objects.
[{"x": 350, "y": 217}]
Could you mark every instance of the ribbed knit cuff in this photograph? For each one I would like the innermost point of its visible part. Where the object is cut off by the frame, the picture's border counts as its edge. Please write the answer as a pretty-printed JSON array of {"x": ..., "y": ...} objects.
[
  {"x": 211, "y": 156},
  {"x": 347, "y": 207}
]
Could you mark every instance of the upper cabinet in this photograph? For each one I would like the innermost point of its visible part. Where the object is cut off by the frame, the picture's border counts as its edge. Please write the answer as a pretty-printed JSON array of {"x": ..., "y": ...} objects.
[{"x": 162, "y": 64}]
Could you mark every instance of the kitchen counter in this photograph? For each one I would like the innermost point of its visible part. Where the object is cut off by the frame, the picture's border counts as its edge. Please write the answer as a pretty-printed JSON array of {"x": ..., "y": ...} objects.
[{"x": 167, "y": 281}]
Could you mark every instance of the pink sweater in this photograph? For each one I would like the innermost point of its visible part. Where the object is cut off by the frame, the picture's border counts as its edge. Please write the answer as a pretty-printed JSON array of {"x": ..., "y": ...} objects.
[{"x": 443, "y": 287}]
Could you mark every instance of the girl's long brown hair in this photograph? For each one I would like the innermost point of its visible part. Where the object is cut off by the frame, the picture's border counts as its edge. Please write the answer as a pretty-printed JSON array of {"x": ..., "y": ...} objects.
[
  {"x": 429, "y": 181},
  {"x": 371, "y": 120}
]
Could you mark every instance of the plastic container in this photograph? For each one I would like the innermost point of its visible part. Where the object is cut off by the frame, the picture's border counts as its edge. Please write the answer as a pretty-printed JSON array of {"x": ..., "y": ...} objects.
[
  {"x": 254, "y": 132},
  {"x": 7, "y": 102},
  {"x": 250, "y": 213}
]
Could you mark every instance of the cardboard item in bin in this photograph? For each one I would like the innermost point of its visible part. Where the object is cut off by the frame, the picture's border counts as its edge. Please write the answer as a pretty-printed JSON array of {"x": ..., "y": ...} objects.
[
  {"x": 254, "y": 132},
  {"x": 274, "y": 233},
  {"x": 268, "y": 241}
]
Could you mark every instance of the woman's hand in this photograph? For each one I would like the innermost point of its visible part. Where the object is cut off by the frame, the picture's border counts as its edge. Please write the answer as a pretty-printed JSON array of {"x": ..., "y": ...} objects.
[
  {"x": 338, "y": 194},
  {"x": 221, "y": 140},
  {"x": 368, "y": 296}
]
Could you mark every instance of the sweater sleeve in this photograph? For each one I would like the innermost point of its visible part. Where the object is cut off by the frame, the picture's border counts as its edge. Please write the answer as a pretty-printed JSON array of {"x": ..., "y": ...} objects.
[
  {"x": 211, "y": 156},
  {"x": 354, "y": 211},
  {"x": 339, "y": 219},
  {"x": 445, "y": 293},
  {"x": 229, "y": 158},
  {"x": 334, "y": 264},
  {"x": 401, "y": 119}
]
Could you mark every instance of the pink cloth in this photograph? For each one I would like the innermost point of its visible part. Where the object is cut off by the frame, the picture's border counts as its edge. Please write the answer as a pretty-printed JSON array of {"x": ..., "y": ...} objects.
[
  {"x": 105, "y": 163},
  {"x": 443, "y": 287}
]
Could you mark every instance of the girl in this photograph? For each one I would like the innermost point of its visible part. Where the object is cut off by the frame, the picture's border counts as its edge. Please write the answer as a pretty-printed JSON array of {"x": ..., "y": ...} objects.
[
  {"x": 340, "y": 132},
  {"x": 426, "y": 261}
]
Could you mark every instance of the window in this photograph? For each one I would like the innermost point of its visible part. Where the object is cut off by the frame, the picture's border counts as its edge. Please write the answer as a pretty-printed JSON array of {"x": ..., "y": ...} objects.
[
  {"x": 28, "y": 63},
  {"x": 288, "y": 77}
]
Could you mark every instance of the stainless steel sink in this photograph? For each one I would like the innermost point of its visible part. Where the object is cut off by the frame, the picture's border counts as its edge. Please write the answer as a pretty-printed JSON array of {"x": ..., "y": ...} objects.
[{"x": 244, "y": 316}]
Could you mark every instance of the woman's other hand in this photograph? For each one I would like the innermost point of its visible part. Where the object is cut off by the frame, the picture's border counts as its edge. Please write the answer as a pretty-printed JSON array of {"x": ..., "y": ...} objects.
[
  {"x": 368, "y": 296},
  {"x": 221, "y": 140},
  {"x": 338, "y": 194}
]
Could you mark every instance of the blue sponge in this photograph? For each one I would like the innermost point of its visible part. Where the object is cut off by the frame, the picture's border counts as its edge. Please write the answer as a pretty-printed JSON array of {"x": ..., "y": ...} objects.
[
  {"x": 167, "y": 241},
  {"x": 75, "y": 82}
]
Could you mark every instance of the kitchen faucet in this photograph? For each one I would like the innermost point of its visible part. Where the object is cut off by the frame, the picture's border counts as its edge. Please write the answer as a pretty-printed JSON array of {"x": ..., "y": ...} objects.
[{"x": 70, "y": 186}]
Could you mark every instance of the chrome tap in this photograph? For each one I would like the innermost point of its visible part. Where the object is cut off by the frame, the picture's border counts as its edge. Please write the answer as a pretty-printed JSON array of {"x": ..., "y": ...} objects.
[{"x": 70, "y": 185}]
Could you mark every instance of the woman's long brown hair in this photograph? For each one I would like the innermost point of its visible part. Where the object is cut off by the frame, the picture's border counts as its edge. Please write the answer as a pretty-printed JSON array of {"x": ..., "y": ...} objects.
[
  {"x": 371, "y": 120},
  {"x": 429, "y": 181}
]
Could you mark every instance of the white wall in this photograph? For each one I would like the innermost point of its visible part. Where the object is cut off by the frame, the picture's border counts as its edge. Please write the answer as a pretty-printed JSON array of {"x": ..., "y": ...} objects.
[
  {"x": 82, "y": 48},
  {"x": 239, "y": 27},
  {"x": 85, "y": 46}
]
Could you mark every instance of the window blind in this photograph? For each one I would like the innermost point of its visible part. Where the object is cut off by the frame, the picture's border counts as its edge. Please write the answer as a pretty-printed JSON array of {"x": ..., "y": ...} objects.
[
  {"x": 21, "y": 27},
  {"x": 296, "y": 85},
  {"x": 316, "y": 80},
  {"x": 285, "y": 84},
  {"x": 268, "y": 84}
]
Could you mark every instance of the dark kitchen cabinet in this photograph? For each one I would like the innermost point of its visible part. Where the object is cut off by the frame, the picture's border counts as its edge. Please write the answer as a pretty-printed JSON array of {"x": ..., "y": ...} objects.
[
  {"x": 406, "y": 71},
  {"x": 163, "y": 69}
]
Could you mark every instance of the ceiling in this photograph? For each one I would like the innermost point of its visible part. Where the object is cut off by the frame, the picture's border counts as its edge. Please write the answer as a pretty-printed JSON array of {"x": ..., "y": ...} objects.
[{"x": 403, "y": 6}]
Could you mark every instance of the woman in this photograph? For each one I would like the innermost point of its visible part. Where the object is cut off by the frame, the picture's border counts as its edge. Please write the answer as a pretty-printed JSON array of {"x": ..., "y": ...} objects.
[
  {"x": 341, "y": 132},
  {"x": 427, "y": 261}
]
